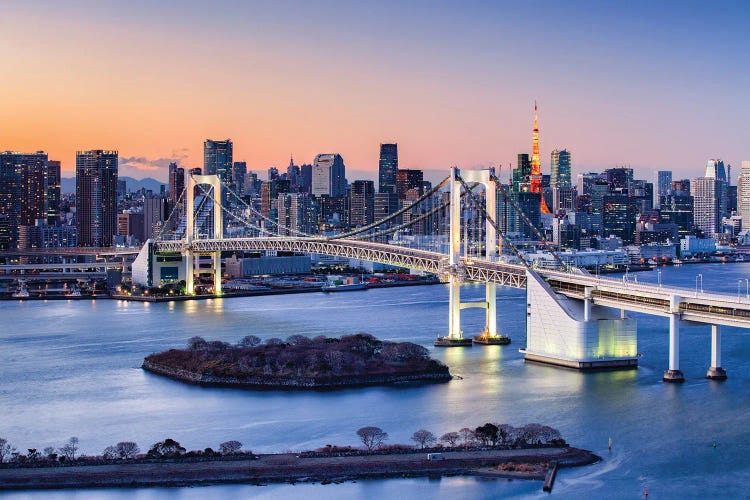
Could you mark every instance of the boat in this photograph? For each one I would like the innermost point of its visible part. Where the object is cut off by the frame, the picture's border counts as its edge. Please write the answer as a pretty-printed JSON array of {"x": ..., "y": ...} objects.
[{"x": 343, "y": 287}]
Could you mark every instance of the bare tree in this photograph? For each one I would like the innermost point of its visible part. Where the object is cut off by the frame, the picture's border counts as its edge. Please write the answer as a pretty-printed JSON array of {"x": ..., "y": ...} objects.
[
  {"x": 50, "y": 453},
  {"x": 450, "y": 438},
  {"x": 423, "y": 438},
  {"x": 467, "y": 436},
  {"x": 127, "y": 449},
  {"x": 230, "y": 447},
  {"x": 70, "y": 449},
  {"x": 6, "y": 450},
  {"x": 372, "y": 437},
  {"x": 505, "y": 433},
  {"x": 110, "y": 453}
]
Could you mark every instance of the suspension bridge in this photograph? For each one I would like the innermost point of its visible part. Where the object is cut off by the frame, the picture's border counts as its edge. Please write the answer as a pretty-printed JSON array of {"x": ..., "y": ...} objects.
[{"x": 574, "y": 319}]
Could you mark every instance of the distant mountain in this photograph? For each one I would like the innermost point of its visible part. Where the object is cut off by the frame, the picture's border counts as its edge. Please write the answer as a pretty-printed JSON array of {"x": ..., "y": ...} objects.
[{"x": 68, "y": 184}]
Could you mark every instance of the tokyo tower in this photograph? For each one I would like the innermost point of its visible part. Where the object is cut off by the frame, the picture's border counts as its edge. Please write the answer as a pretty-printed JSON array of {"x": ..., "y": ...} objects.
[{"x": 536, "y": 170}]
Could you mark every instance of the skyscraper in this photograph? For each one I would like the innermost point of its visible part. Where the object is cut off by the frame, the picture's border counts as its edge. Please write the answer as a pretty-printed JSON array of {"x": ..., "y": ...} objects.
[
  {"x": 54, "y": 178},
  {"x": 362, "y": 203},
  {"x": 663, "y": 183},
  {"x": 707, "y": 194},
  {"x": 29, "y": 193},
  {"x": 329, "y": 175},
  {"x": 407, "y": 179},
  {"x": 96, "y": 196},
  {"x": 217, "y": 159},
  {"x": 560, "y": 168},
  {"x": 176, "y": 184},
  {"x": 743, "y": 194},
  {"x": 239, "y": 171},
  {"x": 387, "y": 168}
]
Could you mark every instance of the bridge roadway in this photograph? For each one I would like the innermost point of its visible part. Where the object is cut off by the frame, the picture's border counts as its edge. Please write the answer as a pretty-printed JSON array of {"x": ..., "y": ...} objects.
[{"x": 707, "y": 308}]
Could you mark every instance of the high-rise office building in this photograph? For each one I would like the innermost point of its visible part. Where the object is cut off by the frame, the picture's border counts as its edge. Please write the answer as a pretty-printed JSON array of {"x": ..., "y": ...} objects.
[
  {"x": 154, "y": 215},
  {"x": 96, "y": 196},
  {"x": 329, "y": 176},
  {"x": 676, "y": 207},
  {"x": 29, "y": 193},
  {"x": 239, "y": 172},
  {"x": 407, "y": 179},
  {"x": 387, "y": 168},
  {"x": 217, "y": 159},
  {"x": 707, "y": 198},
  {"x": 296, "y": 214},
  {"x": 293, "y": 173},
  {"x": 176, "y": 184},
  {"x": 619, "y": 179},
  {"x": 362, "y": 203},
  {"x": 54, "y": 178},
  {"x": 619, "y": 217},
  {"x": 743, "y": 194},
  {"x": 560, "y": 168},
  {"x": 522, "y": 174},
  {"x": 304, "y": 183},
  {"x": 663, "y": 183}
]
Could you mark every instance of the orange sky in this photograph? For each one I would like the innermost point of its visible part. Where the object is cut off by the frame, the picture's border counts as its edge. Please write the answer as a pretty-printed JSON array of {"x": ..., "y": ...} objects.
[{"x": 451, "y": 85}]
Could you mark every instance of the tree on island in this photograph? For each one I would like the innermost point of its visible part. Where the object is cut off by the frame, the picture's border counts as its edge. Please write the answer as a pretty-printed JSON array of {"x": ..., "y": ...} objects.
[
  {"x": 487, "y": 434},
  {"x": 372, "y": 437},
  {"x": 467, "y": 436},
  {"x": 230, "y": 447},
  {"x": 424, "y": 438},
  {"x": 249, "y": 341},
  {"x": 169, "y": 448},
  {"x": 450, "y": 438},
  {"x": 127, "y": 449},
  {"x": 6, "y": 450},
  {"x": 110, "y": 453},
  {"x": 70, "y": 449}
]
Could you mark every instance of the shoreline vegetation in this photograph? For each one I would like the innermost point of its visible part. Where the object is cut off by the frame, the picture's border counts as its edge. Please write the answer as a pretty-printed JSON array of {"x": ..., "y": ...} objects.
[
  {"x": 298, "y": 362},
  {"x": 488, "y": 451}
]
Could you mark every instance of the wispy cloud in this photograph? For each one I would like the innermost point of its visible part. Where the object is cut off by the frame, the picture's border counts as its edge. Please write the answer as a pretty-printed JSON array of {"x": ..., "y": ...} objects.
[{"x": 138, "y": 166}]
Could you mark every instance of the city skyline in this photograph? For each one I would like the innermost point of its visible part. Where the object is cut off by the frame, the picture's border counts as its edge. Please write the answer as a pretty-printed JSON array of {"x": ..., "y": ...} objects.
[{"x": 451, "y": 84}]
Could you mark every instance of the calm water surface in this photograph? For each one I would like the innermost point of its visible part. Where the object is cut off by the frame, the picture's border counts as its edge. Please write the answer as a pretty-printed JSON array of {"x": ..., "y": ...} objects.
[{"x": 72, "y": 368}]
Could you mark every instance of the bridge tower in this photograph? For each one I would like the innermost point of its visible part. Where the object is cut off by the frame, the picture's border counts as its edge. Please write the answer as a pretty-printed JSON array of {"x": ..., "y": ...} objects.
[
  {"x": 455, "y": 335},
  {"x": 191, "y": 181}
]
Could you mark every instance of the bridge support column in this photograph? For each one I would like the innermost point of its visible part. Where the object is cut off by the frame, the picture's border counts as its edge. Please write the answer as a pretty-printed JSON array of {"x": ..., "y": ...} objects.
[
  {"x": 490, "y": 323},
  {"x": 587, "y": 303},
  {"x": 674, "y": 374},
  {"x": 716, "y": 372},
  {"x": 189, "y": 272},
  {"x": 217, "y": 272}
]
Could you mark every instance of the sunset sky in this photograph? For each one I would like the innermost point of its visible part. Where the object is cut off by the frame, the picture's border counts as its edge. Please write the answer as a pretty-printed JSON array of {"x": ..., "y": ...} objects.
[{"x": 653, "y": 85}]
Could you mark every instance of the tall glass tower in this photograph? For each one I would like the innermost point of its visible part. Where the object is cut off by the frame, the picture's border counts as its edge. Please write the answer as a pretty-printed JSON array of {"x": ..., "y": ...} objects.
[
  {"x": 217, "y": 159},
  {"x": 387, "y": 168},
  {"x": 560, "y": 169}
]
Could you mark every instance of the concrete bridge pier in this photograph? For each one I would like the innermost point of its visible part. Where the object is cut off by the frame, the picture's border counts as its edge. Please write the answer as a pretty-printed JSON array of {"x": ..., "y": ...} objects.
[
  {"x": 674, "y": 374},
  {"x": 189, "y": 272},
  {"x": 217, "y": 272},
  {"x": 716, "y": 372}
]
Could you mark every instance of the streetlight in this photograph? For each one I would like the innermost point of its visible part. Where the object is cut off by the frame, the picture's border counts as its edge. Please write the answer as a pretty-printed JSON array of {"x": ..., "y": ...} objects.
[
  {"x": 747, "y": 288},
  {"x": 699, "y": 277},
  {"x": 739, "y": 282}
]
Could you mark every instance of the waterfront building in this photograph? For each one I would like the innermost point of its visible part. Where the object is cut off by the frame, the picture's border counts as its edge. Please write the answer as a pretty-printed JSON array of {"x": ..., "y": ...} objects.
[
  {"x": 217, "y": 159},
  {"x": 708, "y": 195},
  {"x": 743, "y": 193},
  {"x": 677, "y": 208},
  {"x": 618, "y": 217},
  {"x": 329, "y": 175},
  {"x": 362, "y": 203},
  {"x": 691, "y": 244},
  {"x": 387, "y": 168},
  {"x": 663, "y": 184},
  {"x": 96, "y": 196}
]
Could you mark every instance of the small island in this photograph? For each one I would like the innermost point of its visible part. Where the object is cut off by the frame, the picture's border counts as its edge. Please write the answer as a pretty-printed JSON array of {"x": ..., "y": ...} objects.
[{"x": 298, "y": 362}]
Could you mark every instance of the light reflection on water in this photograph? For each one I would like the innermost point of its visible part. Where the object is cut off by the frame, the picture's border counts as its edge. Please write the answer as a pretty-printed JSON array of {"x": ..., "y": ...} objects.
[{"x": 72, "y": 368}]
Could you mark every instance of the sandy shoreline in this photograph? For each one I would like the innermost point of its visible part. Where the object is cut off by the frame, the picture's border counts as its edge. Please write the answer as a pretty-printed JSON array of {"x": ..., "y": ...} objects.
[{"x": 289, "y": 468}]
